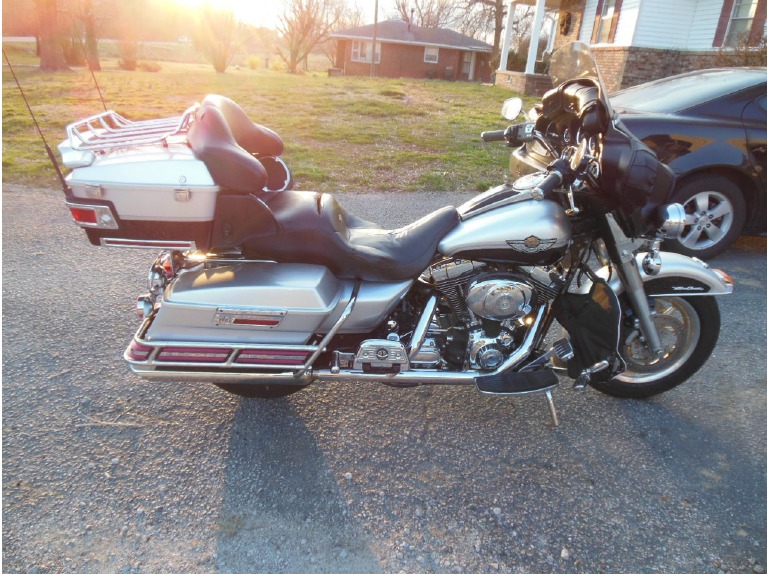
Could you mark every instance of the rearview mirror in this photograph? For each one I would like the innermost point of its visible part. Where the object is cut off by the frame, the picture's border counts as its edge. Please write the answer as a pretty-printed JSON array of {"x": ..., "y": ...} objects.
[{"x": 512, "y": 108}]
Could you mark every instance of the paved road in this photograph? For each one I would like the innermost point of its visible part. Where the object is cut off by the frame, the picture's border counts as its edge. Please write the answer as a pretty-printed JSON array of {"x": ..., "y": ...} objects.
[{"x": 103, "y": 472}]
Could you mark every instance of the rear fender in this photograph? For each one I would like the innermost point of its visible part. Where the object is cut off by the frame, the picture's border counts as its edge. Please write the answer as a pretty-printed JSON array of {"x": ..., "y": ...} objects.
[{"x": 679, "y": 276}]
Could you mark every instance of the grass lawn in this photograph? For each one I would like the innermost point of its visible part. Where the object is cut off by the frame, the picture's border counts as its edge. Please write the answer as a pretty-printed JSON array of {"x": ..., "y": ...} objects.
[{"x": 341, "y": 133}]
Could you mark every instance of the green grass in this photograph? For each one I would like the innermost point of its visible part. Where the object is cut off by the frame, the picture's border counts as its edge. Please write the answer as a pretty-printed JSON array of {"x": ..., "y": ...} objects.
[{"x": 341, "y": 133}]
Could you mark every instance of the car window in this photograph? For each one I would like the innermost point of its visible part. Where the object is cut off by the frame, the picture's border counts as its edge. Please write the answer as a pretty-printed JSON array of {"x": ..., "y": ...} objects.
[{"x": 677, "y": 93}]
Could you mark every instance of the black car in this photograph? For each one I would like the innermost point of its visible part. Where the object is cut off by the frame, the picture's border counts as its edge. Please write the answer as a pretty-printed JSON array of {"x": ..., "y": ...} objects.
[{"x": 710, "y": 128}]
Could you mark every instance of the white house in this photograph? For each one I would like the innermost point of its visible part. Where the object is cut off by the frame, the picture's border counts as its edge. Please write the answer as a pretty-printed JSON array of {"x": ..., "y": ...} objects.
[{"x": 639, "y": 40}]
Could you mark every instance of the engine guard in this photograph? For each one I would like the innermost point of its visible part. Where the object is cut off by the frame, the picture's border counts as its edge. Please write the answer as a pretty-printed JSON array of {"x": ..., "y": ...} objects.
[{"x": 679, "y": 276}]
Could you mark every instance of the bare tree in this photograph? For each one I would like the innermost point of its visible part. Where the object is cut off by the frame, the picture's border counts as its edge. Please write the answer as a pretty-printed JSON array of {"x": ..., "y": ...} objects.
[
  {"x": 304, "y": 25},
  {"x": 352, "y": 17},
  {"x": 499, "y": 9},
  {"x": 87, "y": 16},
  {"x": 217, "y": 36},
  {"x": 429, "y": 13},
  {"x": 51, "y": 54}
]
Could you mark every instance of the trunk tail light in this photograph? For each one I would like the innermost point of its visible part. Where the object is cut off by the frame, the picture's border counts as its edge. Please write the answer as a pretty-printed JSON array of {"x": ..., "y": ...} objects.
[
  {"x": 84, "y": 215},
  {"x": 139, "y": 352}
]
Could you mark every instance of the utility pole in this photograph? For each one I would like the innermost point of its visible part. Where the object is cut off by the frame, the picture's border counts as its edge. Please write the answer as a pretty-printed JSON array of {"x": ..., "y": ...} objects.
[{"x": 374, "y": 40}]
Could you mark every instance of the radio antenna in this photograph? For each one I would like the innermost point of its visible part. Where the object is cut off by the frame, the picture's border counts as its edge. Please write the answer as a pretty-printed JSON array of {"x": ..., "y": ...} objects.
[{"x": 50, "y": 153}]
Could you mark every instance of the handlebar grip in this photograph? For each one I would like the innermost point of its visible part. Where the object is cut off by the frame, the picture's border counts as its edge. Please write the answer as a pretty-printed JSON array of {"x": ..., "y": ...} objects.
[
  {"x": 493, "y": 136},
  {"x": 553, "y": 180}
]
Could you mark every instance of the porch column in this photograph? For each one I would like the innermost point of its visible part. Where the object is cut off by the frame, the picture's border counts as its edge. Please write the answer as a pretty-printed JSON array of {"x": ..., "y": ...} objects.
[
  {"x": 503, "y": 67},
  {"x": 537, "y": 25}
]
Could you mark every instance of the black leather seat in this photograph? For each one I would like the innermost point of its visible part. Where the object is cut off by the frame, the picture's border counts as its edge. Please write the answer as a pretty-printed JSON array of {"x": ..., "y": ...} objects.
[{"x": 309, "y": 227}]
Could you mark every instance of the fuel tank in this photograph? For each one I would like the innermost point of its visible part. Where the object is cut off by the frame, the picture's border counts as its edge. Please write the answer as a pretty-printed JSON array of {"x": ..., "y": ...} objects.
[{"x": 528, "y": 232}]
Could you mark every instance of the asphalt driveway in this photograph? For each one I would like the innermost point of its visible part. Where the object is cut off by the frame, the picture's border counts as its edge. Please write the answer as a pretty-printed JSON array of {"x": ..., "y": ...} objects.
[{"x": 104, "y": 472}]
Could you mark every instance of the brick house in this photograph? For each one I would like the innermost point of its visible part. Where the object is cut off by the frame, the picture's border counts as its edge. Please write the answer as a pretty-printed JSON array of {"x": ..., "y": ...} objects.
[
  {"x": 636, "y": 41},
  {"x": 408, "y": 51}
]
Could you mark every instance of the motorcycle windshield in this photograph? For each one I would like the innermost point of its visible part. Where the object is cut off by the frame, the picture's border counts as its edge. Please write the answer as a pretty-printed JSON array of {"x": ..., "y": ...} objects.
[{"x": 574, "y": 61}]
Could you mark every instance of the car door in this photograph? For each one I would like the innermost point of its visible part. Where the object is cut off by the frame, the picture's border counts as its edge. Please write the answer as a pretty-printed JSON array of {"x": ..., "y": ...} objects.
[{"x": 755, "y": 121}]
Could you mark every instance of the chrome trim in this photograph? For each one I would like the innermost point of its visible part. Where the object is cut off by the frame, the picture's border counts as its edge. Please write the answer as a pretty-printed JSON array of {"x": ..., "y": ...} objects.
[
  {"x": 333, "y": 331},
  {"x": 674, "y": 220},
  {"x": 147, "y": 244},
  {"x": 284, "y": 378},
  {"x": 418, "y": 337},
  {"x": 307, "y": 376}
]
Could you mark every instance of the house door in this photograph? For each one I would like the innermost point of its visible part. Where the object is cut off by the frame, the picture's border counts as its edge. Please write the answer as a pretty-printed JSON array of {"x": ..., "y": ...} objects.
[{"x": 469, "y": 63}]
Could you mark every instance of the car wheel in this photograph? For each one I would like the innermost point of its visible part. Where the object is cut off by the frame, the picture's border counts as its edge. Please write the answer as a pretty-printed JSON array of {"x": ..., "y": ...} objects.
[{"x": 716, "y": 212}]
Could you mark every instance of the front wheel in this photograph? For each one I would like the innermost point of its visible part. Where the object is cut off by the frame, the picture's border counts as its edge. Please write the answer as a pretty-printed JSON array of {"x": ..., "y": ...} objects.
[{"x": 688, "y": 329}]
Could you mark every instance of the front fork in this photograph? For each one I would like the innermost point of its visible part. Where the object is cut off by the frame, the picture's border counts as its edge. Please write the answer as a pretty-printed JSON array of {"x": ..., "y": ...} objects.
[{"x": 622, "y": 252}]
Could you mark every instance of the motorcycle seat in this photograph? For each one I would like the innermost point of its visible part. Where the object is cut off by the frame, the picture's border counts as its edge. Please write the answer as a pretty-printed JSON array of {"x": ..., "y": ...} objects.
[{"x": 309, "y": 227}]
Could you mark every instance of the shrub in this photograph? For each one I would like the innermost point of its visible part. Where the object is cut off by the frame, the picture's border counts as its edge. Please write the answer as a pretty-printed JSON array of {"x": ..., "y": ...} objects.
[
  {"x": 277, "y": 65},
  {"x": 743, "y": 54},
  {"x": 149, "y": 66},
  {"x": 254, "y": 62},
  {"x": 128, "y": 52}
]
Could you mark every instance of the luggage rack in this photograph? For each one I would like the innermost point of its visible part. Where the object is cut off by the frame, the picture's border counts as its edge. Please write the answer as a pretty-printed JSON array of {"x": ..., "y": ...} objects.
[{"x": 110, "y": 130}]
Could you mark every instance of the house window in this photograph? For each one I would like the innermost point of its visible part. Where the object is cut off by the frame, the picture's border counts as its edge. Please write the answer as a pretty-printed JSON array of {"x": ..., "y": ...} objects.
[
  {"x": 431, "y": 55},
  {"x": 741, "y": 19},
  {"x": 362, "y": 52},
  {"x": 606, "y": 23}
]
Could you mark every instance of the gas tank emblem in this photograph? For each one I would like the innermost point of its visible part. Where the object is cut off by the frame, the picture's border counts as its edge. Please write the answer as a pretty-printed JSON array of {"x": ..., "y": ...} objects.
[{"x": 531, "y": 244}]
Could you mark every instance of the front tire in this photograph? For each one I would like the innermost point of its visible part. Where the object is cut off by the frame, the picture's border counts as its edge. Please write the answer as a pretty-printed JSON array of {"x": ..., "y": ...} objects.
[
  {"x": 688, "y": 329},
  {"x": 716, "y": 214}
]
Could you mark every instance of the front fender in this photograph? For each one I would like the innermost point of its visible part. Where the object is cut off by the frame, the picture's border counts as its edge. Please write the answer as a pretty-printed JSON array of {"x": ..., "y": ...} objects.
[{"x": 679, "y": 276}]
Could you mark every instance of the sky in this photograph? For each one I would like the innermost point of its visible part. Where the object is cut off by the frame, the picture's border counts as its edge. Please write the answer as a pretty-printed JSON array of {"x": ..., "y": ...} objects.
[{"x": 266, "y": 12}]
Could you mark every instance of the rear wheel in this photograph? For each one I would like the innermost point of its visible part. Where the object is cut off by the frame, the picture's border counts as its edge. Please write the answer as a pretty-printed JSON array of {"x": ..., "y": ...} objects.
[
  {"x": 260, "y": 391},
  {"x": 688, "y": 329}
]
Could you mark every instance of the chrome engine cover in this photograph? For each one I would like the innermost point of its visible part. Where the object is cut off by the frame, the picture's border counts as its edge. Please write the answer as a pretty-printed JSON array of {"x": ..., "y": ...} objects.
[{"x": 500, "y": 299}]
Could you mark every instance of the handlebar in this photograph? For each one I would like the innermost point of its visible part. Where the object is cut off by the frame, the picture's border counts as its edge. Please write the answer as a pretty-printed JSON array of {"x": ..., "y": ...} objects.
[
  {"x": 553, "y": 180},
  {"x": 515, "y": 135},
  {"x": 493, "y": 136}
]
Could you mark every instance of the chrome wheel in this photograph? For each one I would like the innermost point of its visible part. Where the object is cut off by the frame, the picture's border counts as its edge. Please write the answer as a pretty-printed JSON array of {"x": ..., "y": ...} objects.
[
  {"x": 715, "y": 215},
  {"x": 679, "y": 329},
  {"x": 709, "y": 220}
]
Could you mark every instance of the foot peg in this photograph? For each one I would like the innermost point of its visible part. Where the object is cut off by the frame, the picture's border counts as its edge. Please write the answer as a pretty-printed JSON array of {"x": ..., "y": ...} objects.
[{"x": 585, "y": 377}]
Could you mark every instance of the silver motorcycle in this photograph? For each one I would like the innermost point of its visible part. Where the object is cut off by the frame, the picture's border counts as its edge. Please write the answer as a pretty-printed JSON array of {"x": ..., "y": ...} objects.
[{"x": 263, "y": 290}]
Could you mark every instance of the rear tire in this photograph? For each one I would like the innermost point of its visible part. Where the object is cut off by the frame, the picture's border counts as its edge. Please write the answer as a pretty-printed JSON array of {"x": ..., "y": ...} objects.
[
  {"x": 260, "y": 391},
  {"x": 688, "y": 329}
]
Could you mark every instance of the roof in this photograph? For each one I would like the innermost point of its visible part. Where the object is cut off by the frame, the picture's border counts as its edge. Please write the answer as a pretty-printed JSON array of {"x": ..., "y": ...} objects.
[{"x": 400, "y": 32}]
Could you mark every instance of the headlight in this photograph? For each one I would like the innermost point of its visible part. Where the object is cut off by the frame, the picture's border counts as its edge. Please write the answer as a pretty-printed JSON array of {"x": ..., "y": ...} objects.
[{"x": 672, "y": 219}]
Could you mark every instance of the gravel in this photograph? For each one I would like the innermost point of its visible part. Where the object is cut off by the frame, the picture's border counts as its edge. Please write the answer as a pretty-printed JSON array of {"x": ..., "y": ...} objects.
[{"x": 104, "y": 472}]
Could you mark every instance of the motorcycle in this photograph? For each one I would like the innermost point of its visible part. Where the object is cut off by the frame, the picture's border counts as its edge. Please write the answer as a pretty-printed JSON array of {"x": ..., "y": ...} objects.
[{"x": 263, "y": 290}]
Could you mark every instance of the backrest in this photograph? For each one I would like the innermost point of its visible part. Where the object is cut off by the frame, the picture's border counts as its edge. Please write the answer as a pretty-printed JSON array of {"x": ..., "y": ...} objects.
[
  {"x": 254, "y": 138},
  {"x": 230, "y": 165}
]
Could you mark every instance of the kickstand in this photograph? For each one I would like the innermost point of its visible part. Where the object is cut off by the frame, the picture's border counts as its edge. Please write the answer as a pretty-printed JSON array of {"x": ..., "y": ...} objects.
[{"x": 552, "y": 407}]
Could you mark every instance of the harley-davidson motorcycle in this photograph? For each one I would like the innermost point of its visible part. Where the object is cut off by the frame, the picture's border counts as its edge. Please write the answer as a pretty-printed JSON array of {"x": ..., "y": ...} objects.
[{"x": 263, "y": 290}]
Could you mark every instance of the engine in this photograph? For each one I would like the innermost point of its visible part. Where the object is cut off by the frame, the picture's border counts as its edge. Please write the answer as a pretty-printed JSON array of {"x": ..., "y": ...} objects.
[{"x": 489, "y": 306}]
